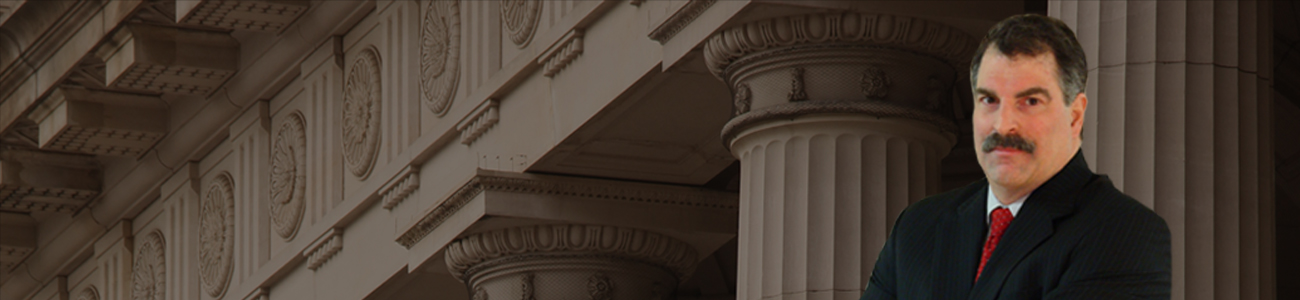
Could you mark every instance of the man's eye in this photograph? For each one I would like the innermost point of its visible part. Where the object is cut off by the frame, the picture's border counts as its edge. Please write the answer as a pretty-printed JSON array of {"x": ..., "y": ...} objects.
[
  {"x": 987, "y": 100},
  {"x": 1033, "y": 101}
]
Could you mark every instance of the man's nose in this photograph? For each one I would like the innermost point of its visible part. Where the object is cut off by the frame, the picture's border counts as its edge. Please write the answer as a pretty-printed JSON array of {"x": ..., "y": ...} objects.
[{"x": 1007, "y": 119}]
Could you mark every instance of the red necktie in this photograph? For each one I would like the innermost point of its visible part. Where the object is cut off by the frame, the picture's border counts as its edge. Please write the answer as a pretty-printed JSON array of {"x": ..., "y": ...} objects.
[{"x": 1001, "y": 218}]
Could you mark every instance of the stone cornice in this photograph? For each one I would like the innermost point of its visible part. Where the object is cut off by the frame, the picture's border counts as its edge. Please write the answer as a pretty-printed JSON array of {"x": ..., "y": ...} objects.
[
  {"x": 679, "y": 19},
  {"x": 912, "y": 34},
  {"x": 795, "y": 109},
  {"x": 544, "y": 185},
  {"x": 469, "y": 253}
]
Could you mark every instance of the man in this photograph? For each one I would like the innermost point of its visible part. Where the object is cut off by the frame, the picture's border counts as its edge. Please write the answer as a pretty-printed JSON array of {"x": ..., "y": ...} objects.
[{"x": 1041, "y": 225}]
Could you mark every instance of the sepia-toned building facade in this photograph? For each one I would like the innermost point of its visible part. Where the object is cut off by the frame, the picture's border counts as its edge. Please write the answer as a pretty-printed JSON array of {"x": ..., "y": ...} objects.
[{"x": 586, "y": 149}]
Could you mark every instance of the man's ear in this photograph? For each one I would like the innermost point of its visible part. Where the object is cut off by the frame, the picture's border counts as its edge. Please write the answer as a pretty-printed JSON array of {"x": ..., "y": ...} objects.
[{"x": 1077, "y": 110}]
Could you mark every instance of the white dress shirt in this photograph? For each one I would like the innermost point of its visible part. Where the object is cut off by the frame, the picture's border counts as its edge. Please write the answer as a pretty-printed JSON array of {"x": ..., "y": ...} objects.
[{"x": 1014, "y": 207}]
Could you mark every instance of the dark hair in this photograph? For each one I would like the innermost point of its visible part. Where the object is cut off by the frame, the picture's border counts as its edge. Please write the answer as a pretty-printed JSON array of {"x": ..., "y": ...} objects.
[{"x": 1032, "y": 35}]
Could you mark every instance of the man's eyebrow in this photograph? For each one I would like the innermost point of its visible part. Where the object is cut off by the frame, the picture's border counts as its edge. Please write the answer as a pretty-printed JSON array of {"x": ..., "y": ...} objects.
[
  {"x": 1031, "y": 91},
  {"x": 983, "y": 91}
]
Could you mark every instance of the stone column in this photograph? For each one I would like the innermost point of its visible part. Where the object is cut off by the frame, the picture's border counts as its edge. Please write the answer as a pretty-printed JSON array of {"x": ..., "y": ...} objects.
[
  {"x": 1179, "y": 118},
  {"x": 570, "y": 262},
  {"x": 840, "y": 121}
]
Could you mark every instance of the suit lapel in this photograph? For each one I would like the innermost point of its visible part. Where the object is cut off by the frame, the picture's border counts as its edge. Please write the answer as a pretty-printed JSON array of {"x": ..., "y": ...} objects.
[
  {"x": 1033, "y": 225},
  {"x": 960, "y": 243}
]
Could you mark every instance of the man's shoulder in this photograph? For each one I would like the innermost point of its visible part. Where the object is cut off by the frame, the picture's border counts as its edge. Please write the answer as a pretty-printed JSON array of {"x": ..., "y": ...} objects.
[{"x": 1109, "y": 201}]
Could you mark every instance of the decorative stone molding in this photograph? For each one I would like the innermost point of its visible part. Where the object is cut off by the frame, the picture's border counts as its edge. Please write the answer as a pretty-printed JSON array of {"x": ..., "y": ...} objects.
[
  {"x": 526, "y": 287},
  {"x": 636, "y": 2},
  {"x": 797, "y": 92},
  {"x": 480, "y": 294},
  {"x": 540, "y": 186},
  {"x": 838, "y": 76},
  {"x": 473, "y": 253},
  {"x": 400, "y": 187},
  {"x": 478, "y": 121},
  {"x": 33, "y": 181},
  {"x": 796, "y": 109},
  {"x": 361, "y": 113},
  {"x": 217, "y": 235},
  {"x": 440, "y": 54},
  {"x": 740, "y": 99},
  {"x": 571, "y": 261},
  {"x": 256, "y": 15},
  {"x": 559, "y": 56},
  {"x": 88, "y": 293},
  {"x": 260, "y": 293},
  {"x": 680, "y": 19},
  {"x": 159, "y": 59},
  {"x": 288, "y": 175},
  {"x": 519, "y": 19},
  {"x": 905, "y": 33},
  {"x": 875, "y": 83},
  {"x": 149, "y": 269},
  {"x": 324, "y": 248},
  {"x": 600, "y": 287},
  {"x": 100, "y": 122}
]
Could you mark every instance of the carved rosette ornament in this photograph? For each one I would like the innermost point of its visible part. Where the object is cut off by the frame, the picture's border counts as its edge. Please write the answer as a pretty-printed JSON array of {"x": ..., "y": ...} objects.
[
  {"x": 526, "y": 287},
  {"x": 149, "y": 271},
  {"x": 217, "y": 235},
  {"x": 439, "y": 54},
  {"x": 600, "y": 287},
  {"x": 875, "y": 84},
  {"x": 829, "y": 63},
  {"x": 519, "y": 18},
  {"x": 588, "y": 261},
  {"x": 288, "y": 175},
  {"x": 361, "y": 113},
  {"x": 88, "y": 293},
  {"x": 740, "y": 98}
]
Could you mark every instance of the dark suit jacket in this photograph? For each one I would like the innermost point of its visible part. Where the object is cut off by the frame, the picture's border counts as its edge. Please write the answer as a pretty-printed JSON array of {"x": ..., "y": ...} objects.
[{"x": 1076, "y": 237}]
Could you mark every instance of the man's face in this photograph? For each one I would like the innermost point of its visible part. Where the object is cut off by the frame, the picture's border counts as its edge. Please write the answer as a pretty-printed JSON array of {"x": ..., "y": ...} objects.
[{"x": 1024, "y": 131}]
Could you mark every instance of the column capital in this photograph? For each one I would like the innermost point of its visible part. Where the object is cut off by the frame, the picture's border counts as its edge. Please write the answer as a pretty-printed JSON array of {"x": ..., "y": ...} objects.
[
  {"x": 468, "y": 256},
  {"x": 879, "y": 65},
  {"x": 724, "y": 49}
]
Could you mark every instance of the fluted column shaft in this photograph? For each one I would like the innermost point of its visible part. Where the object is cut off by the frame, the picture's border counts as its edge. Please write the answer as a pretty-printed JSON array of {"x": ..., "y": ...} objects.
[
  {"x": 819, "y": 195},
  {"x": 840, "y": 122},
  {"x": 1179, "y": 119}
]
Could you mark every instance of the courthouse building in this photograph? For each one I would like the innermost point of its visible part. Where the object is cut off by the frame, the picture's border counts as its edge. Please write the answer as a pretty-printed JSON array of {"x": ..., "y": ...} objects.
[{"x": 586, "y": 149}]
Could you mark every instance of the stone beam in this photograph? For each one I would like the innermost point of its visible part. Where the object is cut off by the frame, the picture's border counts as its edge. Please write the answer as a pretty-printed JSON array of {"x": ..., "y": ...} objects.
[
  {"x": 255, "y": 15},
  {"x": 172, "y": 60},
  {"x": 33, "y": 181},
  {"x": 100, "y": 122},
  {"x": 17, "y": 240}
]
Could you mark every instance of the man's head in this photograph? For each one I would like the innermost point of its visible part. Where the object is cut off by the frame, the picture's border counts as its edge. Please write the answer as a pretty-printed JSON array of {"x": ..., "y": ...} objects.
[{"x": 1028, "y": 77}]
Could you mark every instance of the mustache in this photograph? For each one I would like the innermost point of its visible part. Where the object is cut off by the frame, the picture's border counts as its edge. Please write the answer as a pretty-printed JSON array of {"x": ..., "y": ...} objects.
[{"x": 1013, "y": 141}]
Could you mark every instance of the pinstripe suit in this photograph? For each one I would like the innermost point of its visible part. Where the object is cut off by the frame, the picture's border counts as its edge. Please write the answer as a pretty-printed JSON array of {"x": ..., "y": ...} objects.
[{"x": 1076, "y": 237}]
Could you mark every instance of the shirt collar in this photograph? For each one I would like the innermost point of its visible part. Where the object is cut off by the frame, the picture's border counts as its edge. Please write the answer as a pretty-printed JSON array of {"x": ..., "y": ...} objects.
[{"x": 1014, "y": 207}]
